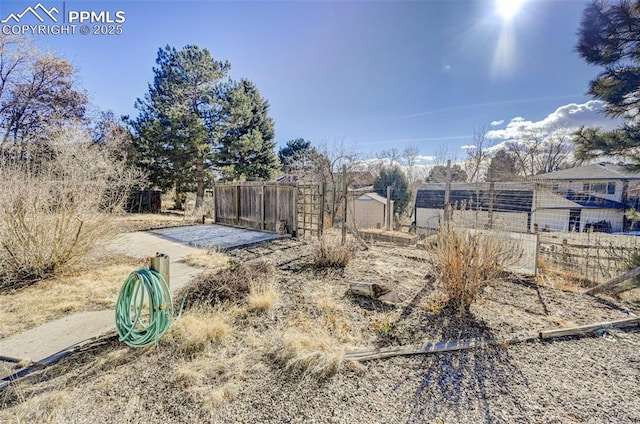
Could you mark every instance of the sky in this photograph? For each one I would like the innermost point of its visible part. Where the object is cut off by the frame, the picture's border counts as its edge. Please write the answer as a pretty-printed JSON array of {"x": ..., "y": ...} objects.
[{"x": 371, "y": 75}]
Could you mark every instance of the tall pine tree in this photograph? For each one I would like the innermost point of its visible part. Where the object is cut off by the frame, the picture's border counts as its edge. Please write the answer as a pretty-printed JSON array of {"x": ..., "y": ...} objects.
[
  {"x": 395, "y": 178},
  {"x": 609, "y": 37},
  {"x": 178, "y": 125},
  {"x": 247, "y": 147}
]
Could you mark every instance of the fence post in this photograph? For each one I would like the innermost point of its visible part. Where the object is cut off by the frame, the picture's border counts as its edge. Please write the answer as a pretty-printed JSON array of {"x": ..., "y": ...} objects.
[
  {"x": 344, "y": 209},
  {"x": 491, "y": 196},
  {"x": 294, "y": 212},
  {"x": 160, "y": 264},
  {"x": 389, "y": 210},
  {"x": 262, "y": 213},
  {"x": 447, "y": 194},
  {"x": 321, "y": 212},
  {"x": 238, "y": 203},
  {"x": 214, "y": 212}
]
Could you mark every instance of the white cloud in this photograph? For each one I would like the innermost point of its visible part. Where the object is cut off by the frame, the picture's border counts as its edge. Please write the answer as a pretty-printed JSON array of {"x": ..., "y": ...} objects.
[
  {"x": 567, "y": 117},
  {"x": 424, "y": 160},
  {"x": 496, "y": 123}
]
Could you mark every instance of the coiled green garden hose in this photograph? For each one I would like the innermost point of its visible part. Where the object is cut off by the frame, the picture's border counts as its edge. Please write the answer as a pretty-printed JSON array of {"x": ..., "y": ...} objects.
[{"x": 144, "y": 311}]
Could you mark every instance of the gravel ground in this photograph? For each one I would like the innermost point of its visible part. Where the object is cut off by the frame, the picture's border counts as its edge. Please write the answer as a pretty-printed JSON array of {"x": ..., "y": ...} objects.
[{"x": 583, "y": 380}]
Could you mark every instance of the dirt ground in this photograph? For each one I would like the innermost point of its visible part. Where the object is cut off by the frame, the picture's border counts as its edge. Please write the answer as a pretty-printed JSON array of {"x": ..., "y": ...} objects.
[{"x": 583, "y": 380}]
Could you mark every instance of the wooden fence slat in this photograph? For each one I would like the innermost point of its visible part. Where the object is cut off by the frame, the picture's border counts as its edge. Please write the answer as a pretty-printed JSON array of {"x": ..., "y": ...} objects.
[
  {"x": 611, "y": 284},
  {"x": 481, "y": 342}
]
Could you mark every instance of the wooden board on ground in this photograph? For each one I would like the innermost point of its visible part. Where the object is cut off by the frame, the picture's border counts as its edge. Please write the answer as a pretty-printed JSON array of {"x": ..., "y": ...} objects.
[
  {"x": 377, "y": 291},
  {"x": 474, "y": 343}
]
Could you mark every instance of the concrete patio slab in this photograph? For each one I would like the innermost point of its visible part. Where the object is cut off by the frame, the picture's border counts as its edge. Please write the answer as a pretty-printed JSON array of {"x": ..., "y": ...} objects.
[{"x": 217, "y": 236}]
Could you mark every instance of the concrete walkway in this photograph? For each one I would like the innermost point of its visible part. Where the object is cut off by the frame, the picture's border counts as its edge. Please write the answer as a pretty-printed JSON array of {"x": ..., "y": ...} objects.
[{"x": 50, "y": 338}]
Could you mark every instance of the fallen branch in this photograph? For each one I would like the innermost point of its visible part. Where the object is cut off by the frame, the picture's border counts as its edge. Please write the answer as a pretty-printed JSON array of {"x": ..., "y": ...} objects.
[
  {"x": 481, "y": 342},
  {"x": 356, "y": 234}
]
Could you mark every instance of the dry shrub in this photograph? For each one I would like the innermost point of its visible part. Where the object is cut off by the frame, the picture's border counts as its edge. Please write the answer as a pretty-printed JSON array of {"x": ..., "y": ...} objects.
[
  {"x": 57, "y": 202},
  {"x": 262, "y": 296},
  {"x": 468, "y": 261},
  {"x": 310, "y": 353},
  {"x": 329, "y": 252},
  {"x": 229, "y": 285},
  {"x": 199, "y": 328}
]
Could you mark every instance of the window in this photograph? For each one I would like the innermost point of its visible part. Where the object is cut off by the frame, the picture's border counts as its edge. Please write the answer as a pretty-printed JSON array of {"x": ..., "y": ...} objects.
[
  {"x": 585, "y": 187},
  {"x": 611, "y": 188},
  {"x": 600, "y": 188}
]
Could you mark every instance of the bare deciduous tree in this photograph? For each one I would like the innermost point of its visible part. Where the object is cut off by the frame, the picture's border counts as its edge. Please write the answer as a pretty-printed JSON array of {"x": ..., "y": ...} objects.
[
  {"x": 37, "y": 92},
  {"x": 389, "y": 157},
  {"x": 477, "y": 154},
  {"x": 57, "y": 204},
  {"x": 328, "y": 161},
  {"x": 410, "y": 156},
  {"x": 538, "y": 152}
]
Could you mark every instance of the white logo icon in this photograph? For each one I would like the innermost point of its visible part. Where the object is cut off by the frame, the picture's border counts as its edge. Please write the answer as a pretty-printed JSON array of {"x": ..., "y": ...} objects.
[{"x": 34, "y": 11}]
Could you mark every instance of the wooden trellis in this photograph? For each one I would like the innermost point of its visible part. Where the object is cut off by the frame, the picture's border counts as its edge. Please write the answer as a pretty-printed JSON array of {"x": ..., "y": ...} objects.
[{"x": 310, "y": 210}]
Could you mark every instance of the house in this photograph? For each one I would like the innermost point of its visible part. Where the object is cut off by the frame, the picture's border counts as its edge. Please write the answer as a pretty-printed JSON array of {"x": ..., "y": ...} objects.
[
  {"x": 594, "y": 196},
  {"x": 577, "y": 199},
  {"x": 368, "y": 210}
]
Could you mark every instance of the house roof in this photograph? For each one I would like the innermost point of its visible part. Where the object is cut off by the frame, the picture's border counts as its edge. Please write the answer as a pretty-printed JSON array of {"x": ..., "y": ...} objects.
[
  {"x": 375, "y": 196},
  {"x": 549, "y": 200},
  {"x": 600, "y": 171},
  {"x": 505, "y": 197}
]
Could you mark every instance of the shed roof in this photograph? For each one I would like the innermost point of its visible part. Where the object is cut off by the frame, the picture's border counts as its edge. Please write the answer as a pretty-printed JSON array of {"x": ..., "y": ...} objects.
[{"x": 375, "y": 196}]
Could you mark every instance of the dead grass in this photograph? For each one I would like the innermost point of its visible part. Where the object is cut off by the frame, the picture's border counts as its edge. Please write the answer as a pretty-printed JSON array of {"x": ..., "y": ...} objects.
[
  {"x": 94, "y": 288},
  {"x": 226, "y": 363},
  {"x": 552, "y": 275},
  {"x": 43, "y": 408},
  {"x": 209, "y": 260},
  {"x": 313, "y": 353},
  {"x": 329, "y": 252},
  {"x": 130, "y": 222},
  {"x": 212, "y": 378},
  {"x": 200, "y": 327},
  {"x": 262, "y": 296}
]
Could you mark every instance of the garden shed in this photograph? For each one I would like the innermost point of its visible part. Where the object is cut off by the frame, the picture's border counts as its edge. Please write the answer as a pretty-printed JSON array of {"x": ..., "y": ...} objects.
[{"x": 368, "y": 210}]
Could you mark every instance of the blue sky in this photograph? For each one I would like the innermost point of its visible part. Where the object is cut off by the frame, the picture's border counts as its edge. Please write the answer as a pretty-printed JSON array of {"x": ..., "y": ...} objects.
[{"x": 375, "y": 75}]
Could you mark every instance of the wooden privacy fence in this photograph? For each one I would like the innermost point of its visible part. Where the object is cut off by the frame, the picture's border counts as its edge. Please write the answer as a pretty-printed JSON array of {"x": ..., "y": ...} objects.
[{"x": 264, "y": 206}]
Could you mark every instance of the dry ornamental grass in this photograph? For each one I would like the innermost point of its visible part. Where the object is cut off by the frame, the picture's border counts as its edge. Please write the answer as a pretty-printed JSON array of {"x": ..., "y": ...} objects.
[{"x": 467, "y": 262}]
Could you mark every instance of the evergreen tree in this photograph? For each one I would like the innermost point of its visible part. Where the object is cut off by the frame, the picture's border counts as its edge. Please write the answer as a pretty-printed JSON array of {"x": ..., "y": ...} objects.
[
  {"x": 247, "y": 147},
  {"x": 502, "y": 167},
  {"x": 609, "y": 36},
  {"x": 296, "y": 155},
  {"x": 395, "y": 178},
  {"x": 178, "y": 125},
  {"x": 438, "y": 174}
]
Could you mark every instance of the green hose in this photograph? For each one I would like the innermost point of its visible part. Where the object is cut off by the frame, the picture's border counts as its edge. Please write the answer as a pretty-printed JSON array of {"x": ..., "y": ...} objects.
[{"x": 144, "y": 311}]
